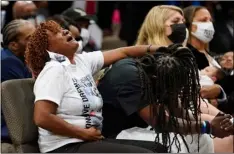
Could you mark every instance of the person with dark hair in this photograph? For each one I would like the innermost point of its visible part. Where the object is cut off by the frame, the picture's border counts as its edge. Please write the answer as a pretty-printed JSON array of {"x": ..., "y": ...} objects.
[
  {"x": 68, "y": 106},
  {"x": 199, "y": 23},
  {"x": 91, "y": 41},
  {"x": 15, "y": 37},
  {"x": 66, "y": 23},
  {"x": 215, "y": 74},
  {"x": 121, "y": 87},
  {"x": 70, "y": 25},
  {"x": 166, "y": 96}
]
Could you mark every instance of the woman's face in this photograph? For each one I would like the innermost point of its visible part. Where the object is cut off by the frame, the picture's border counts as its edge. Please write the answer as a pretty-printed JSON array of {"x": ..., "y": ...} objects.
[
  {"x": 62, "y": 43},
  {"x": 175, "y": 18},
  {"x": 202, "y": 15}
]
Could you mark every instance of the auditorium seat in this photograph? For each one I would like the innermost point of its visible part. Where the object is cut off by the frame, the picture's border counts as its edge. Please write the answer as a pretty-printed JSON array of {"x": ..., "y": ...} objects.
[{"x": 17, "y": 106}]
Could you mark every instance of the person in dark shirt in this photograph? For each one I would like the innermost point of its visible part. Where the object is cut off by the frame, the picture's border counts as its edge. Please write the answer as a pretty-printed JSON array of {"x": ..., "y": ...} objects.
[
  {"x": 127, "y": 105},
  {"x": 15, "y": 36},
  {"x": 124, "y": 106}
]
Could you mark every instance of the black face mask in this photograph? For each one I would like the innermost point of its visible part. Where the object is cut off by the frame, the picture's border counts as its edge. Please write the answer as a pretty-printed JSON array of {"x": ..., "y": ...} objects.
[{"x": 178, "y": 34}]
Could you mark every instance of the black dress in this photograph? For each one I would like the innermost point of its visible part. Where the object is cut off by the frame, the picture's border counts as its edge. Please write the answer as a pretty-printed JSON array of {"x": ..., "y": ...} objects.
[{"x": 201, "y": 59}]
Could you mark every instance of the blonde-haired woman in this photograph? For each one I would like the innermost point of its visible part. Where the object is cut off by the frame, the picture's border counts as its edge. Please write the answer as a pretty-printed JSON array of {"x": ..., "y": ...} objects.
[{"x": 163, "y": 25}]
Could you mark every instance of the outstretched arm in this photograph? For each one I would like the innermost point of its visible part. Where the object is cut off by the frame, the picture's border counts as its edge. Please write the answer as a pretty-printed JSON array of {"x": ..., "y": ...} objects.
[{"x": 114, "y": 55}]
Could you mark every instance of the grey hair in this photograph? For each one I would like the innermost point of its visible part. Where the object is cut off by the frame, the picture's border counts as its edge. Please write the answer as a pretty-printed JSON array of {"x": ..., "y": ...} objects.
[{"x": 11, "y": 31}]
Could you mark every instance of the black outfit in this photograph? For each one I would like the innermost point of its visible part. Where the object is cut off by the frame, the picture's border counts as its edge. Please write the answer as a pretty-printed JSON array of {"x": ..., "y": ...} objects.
[
  {"x": 223, "y": 40},
  {"x": 110, "y": 146},
  {"x": 121, "y": 92},
  {"x": 227, "y": 84},
  {"x": 201, "y": 59}
]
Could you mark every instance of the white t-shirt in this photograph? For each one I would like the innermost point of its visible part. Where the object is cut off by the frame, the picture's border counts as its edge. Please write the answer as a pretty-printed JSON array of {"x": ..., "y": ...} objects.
[{"x": 73, "y": 89}]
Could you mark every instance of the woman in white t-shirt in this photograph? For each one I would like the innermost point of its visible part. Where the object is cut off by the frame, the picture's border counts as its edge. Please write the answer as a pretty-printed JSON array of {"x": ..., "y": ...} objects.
[{"x": 68, "y": 106}]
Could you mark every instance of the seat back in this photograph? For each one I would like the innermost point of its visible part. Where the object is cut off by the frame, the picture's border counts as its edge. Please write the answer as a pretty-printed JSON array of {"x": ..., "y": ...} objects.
[{"x": 17, "y": 107}]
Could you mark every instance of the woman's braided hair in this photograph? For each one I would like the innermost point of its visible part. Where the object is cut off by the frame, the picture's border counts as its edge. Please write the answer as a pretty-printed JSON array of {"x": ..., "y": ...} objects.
[
  {"x": 170, "y": 80},
  {"x": 36, "y": 54}
]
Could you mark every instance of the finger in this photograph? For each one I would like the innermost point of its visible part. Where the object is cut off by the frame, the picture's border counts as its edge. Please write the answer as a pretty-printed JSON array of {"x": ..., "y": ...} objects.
[
  {"x": 99, "y": 137},
  {"x": 228, "y": 124},
  {"x": 230, "y": 128},
  {"x": 220, "y": 118},
  {"x": 228, "y": 116},
  {"x": 227, "y": 120},
  {"x": 92, "y": 128}
]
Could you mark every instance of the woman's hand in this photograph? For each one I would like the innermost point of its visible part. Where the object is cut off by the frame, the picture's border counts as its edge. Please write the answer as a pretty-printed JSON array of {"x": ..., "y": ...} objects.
[
  {"x": 210, "y": 92},
  {"x": 218, "y": 126},
  {"x": 91, "y": 134},
  {"x": 227, "y": 124}
]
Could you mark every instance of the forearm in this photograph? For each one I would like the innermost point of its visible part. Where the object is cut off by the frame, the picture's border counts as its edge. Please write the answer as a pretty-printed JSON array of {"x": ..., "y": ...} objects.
[
  {"x": 59, "y": 126},
  {"x": 185, "y": 128},
  {"x": 114, "y": 55},
  {"x": 139, "y": 50},
  {"x": 181, "y": 113}
]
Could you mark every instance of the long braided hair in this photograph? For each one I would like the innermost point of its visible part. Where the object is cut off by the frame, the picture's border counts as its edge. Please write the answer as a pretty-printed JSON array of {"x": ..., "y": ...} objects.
[{"x": 170, "y": 80}]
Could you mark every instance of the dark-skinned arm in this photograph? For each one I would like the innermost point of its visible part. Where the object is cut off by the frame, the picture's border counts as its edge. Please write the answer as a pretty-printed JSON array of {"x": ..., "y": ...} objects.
[
  {"x": 183, "y": 127},
  {"x": 44, "y": 117},
  {"x": 114, "y": 55}
]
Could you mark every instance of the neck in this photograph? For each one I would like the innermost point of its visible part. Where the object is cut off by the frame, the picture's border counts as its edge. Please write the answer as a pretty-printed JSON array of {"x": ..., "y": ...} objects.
[
  {"x": 71, "y": 59},
  {"x": 199, "y": 45}
]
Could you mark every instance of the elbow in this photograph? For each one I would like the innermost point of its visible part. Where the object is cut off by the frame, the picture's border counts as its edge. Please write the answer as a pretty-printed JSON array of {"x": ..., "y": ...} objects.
[
  {"x": 40, "y": 119},
  {"x": 42, "y": 113}
]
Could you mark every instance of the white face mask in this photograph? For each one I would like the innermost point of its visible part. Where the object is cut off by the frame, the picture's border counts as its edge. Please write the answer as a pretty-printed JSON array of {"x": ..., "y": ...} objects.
[
  {"x": 205, "y": 31},
  {"x": 85, "y": 36},
  {"x": 80, "y": 48}
]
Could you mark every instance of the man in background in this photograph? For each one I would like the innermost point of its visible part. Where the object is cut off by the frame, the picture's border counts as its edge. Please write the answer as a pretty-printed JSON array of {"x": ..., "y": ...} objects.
[
  {"x": 15, "y": 37},
  {"x": 90, "y": 32}
]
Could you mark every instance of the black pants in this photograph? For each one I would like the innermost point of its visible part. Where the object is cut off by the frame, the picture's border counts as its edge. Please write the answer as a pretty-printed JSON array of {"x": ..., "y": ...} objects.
[{"x": 112, "y": 146}]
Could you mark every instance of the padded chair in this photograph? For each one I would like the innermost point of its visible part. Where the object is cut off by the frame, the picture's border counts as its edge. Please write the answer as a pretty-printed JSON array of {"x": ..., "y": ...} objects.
[{"x": 17, "y": 106}]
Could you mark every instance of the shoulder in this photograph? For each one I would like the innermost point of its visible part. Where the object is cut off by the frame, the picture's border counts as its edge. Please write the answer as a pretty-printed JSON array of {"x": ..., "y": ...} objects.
[
  {"x": 125, "y": 66},
  {"x": 52, "y": 70},
  {"x": 125, "y": 70},
  {"x": 12, "y": 62},
  {"x": 194, "y": 50},
  {"x": 88, "y": 55},
  {"x": 122, "y": 73}
]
